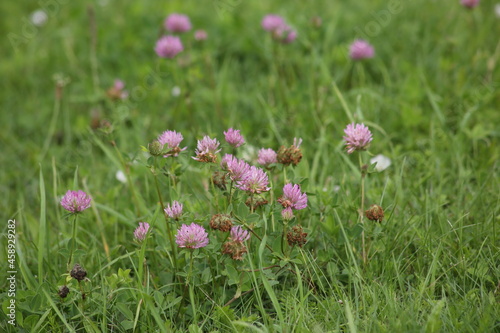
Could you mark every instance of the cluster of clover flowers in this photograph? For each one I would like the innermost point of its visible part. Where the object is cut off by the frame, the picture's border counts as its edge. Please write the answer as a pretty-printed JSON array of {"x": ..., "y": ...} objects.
[
  {"x": 232, "y": 174},
  {"x": 169, "y": 45},
  {"x": 240, "y": 175}
]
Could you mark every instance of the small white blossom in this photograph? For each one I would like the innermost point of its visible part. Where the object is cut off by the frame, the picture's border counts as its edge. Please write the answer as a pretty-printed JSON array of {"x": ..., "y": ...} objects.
[
  {"x": 176, "y": 91},
  {"x": 39, "y": 17},
  {"x": 120, "y": 176},
  {"x": 383, "y": 162}
]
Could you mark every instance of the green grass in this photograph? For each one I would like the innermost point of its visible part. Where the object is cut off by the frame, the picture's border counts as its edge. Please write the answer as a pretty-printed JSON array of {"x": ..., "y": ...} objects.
[{"x": 430, "y": 98}]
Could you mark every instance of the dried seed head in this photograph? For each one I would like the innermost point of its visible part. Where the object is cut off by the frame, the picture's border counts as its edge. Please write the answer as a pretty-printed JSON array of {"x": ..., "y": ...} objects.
[
  {"x": 256, "y": 202},
  {"x": 78, "y": 273},
  {"x": 63, "y": 291},
  {"x": 296, "y": 236},
  {"x": 291, "y": 155},
  {"x": 221, "y": 222},
  {"x": 375, "y": 213},
  {"x": 220, "y": 179},
  {"x": 235, "y": 249}
]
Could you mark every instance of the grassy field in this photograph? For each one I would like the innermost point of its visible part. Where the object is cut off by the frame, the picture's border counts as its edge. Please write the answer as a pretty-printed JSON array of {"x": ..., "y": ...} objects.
[{"x": 430, "y": 97}]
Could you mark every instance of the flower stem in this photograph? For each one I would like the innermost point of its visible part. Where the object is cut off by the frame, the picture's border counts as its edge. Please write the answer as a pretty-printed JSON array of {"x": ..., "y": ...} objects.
[
  {"x": 361, "y": 212},
  {"x": 169, "y": 231},
  {"x": 73, "y": 241}
]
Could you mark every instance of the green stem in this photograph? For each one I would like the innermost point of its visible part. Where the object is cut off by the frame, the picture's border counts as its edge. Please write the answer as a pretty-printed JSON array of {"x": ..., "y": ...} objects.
[
  {"x": 169, "y": 231},
  {"x": 190, "y": 281},
  {"x": 73, "y": 241},
  {"x": 361, "y": 212},
  {"x": 142, "y": 263},
  {"x": 285, "y": 227}
]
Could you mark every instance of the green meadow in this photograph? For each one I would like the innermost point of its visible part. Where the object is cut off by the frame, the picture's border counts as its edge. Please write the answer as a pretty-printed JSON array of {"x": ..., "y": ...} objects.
[{"x": 429, "y": 96}]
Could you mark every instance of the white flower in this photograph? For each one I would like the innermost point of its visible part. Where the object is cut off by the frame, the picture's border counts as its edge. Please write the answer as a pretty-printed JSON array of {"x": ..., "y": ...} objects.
[
  {"x": 39, "y": 17},
  {"x": 383, "y": 162},
  {"x": 497, "y": 10},
  {"x": 120, "y": 176},
  {"x": 176, "y": 91}
]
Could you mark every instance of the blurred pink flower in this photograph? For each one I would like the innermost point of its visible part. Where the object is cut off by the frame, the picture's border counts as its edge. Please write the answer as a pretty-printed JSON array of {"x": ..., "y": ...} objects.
[
  {"x": 255, "y": 180},
  {"x": 75, "y": 201},
  {"x": 168, "y": 46},
  {"x": 174, "y": 211},
  {"x": 177, "y": 23},
  {"x": 293, "y": 197},
  {"x": 287, "y": 214},
  {"x": 191, "y": 236},
  {"x": 141, "y": 231},
  {"x": 200, "y": 35},
  {"x": 206, "y": 150},
  {"x": 238, "y": 234},
  {"x": 361, "y": 49},
  {"x": 285, "y": 34},
  {"x": 357, "y": 137},
  {"x": 469, "y": 3},
  {"x": 267, "y": 157},
  {"x": 235, "y": 167},
  {"x": 172, "y": 139},
  {"x": 234, "y": 138},
  {"x": 271, "y": 22}
]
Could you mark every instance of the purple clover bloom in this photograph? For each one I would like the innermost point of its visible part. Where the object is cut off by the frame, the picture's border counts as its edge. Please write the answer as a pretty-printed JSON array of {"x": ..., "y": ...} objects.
[
  {"x": 177, "y": 23},
  {"x": 357, "y": 137},
  {"x": 174, "y": 211},
  {"x": 361, "y": 49},
  {"x": 168, "y": 46},
  {"x": 272, "y": 22},
  {"x": 172, "y": 139},
  {"x": 469, "y": 3},
  {"x": 293, "y": 197},
  {"x": 141, "y": 231},
  {"x": 75, "y": 201},
  {"x": 287, "y": 214},
  {"x": 191, "y": 236},
  {"x": 239, "y": 235},
  {"x": 267, "y": 157},
  {"x": 235, "y": 167},
  {"x": 234, "y": 138},
  {"x": 206, "y": 150},
  {"x": 200, "y": 35},
  {"x": 284, "y": 34},
  {"x": 255, "y": 180}
]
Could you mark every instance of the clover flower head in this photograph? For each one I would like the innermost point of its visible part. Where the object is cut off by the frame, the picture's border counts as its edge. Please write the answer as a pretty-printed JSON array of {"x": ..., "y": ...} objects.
[
  {"x": 357, "y": 137},
  {"x": 287, "y": 214},
  {"x": 235, "y": 167},
  {"x": 75, "y": 201},
  {"x": 469, "y": 3},
  {"x": 293, "y": 197},
  {"x": 141, "y": 231},
  {"x": 191, "y": 236},
  {"x": 234, "y": 138},
  {"x": 168, "y": 46},
  {"x": 206, "y": 150},
  {"x": 177, "y": 23},
  {"x": 361, "y": 49},
  {"x": 200, "y": 35},
  {"x": 238, "y": 234},
  {"x": 255, "y": 180},
  {"x": 172, "y": 139},
  {"x": 272, "y": 22},
  {"x": 267, "y": 157},
  {"x": 174, "y": 210}
]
